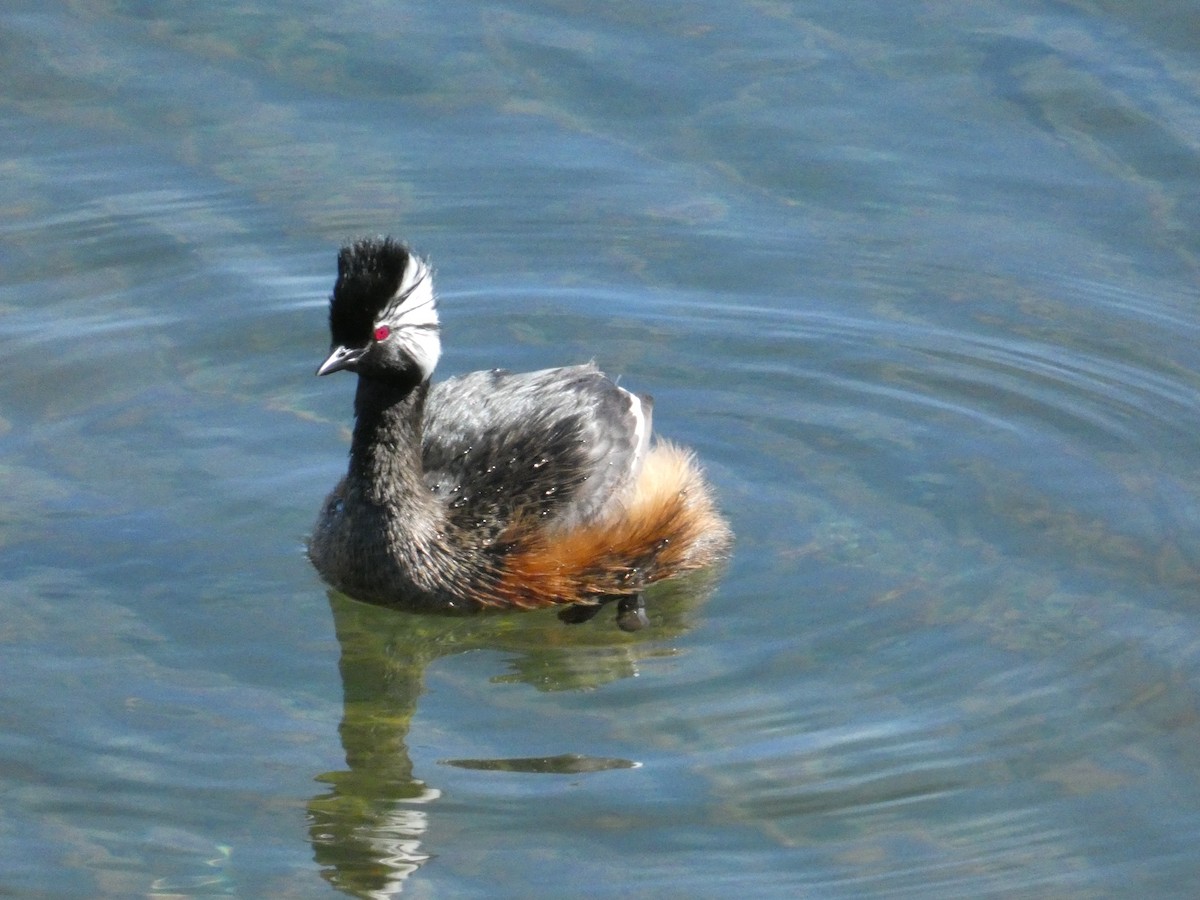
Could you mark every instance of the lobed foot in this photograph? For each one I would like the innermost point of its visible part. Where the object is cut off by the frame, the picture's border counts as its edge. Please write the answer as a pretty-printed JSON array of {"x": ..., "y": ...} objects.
[
  {"x": 631, "y": 613},
  {"x": 579, "y": 613}
]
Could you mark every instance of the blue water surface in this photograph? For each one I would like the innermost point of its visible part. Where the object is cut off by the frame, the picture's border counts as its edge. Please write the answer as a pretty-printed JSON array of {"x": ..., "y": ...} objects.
[{"x": 916, "y": 281}]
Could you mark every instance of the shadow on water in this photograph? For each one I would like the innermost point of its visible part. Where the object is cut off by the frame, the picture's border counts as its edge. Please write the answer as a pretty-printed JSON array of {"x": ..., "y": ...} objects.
[{"x": 367, "y": 828}]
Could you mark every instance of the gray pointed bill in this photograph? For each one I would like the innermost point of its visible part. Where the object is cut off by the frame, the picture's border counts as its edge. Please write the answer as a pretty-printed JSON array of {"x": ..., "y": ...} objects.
[{"x": 341, "y": 358}]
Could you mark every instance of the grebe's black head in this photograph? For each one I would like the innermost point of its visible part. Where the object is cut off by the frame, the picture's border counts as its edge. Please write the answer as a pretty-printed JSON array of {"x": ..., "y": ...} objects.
[{"x": 383, "y": 313}]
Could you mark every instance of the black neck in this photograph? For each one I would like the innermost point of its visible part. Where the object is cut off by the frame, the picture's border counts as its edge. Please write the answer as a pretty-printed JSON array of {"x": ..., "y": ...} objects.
[{"x": 385, "y": 455}]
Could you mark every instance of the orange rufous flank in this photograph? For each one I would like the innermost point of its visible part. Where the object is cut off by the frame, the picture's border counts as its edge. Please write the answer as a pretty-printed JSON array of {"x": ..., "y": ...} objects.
[{"x": 668, "y": 525}]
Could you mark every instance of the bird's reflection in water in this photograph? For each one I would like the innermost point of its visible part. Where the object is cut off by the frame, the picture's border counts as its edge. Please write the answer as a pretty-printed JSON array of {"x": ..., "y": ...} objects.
[{"x": 367, "y": 827}]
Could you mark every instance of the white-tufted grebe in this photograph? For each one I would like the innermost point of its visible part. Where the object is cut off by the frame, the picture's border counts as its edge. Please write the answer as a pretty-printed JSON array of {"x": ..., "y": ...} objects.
[{"x": 494, "y": 489}]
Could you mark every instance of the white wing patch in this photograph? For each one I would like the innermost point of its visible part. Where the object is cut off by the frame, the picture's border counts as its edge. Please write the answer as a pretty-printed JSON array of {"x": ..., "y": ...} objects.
[
  {"x": 641, "y": 430},
  {"x": 411, "y": 315}
]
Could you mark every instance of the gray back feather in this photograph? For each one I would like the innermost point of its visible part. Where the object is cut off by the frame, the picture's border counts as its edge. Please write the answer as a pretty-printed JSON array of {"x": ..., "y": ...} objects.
[{"x": 559, "y": 445}]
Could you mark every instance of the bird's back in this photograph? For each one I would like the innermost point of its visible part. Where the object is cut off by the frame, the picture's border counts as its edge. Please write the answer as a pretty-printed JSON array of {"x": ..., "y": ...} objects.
[{"x": 555, "y": 449}]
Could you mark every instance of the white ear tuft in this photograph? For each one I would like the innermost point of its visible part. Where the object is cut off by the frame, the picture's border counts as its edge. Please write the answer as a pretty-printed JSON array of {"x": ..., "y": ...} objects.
[{"x": 412, "y": 316}]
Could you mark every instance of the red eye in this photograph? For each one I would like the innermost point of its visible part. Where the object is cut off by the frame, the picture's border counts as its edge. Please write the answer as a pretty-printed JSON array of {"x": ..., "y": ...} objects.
[{"x": 382, "y": 332}]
